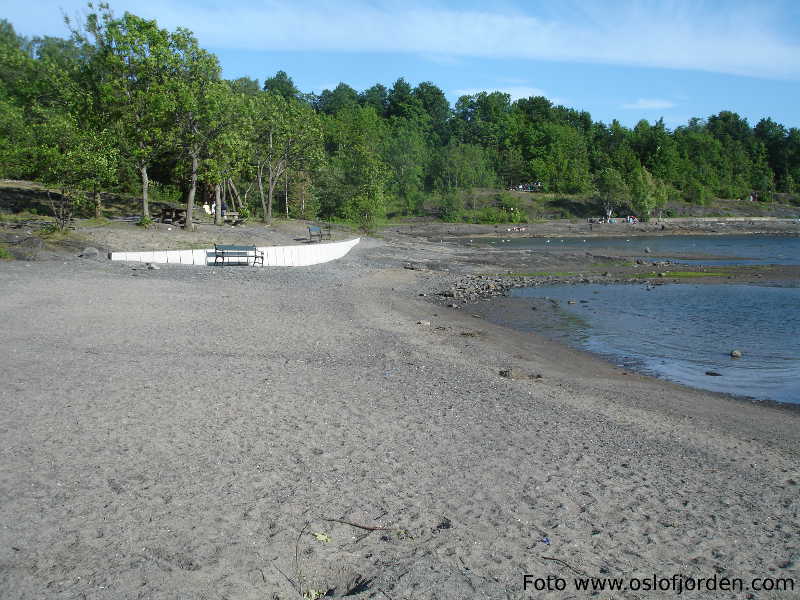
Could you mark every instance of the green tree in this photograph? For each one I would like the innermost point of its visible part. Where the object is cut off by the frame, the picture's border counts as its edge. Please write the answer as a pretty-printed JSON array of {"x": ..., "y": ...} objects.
[
  {"x": 282, "y": 85},
  {"x": 203, "y": 110},
  {"x": 286, "y": 134},
  {"x": 463, "y": 166},
  {"x": 224, "y": 139},
  {"x": 402, "y": 103},
  {"x": 762, "y": 177},
  {"x": 406, "y": 154},
  {"x": 353, "y": 182},
  {"x": 377, "y": 97},
  {"x": 15, "y": 140},
  {"x": 331, "y": 102},
  {"x": 131, "y": 63},
  {"x": 435, "y": 104},
  {"x": 611, "y": 190},
  {"x": 644, "y": 193},
  {"x": 483, "y": 119},
  {"x": 560, "y": 160},
  {"x": 78, "y": 162}
]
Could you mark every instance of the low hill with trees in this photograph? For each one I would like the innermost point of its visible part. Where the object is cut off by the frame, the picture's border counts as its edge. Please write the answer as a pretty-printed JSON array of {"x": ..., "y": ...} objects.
[{"x": 122, "y": 105}]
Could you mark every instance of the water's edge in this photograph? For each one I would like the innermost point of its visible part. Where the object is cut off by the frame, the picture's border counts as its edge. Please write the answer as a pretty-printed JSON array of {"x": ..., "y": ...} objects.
[{"x": 675, "y": 332}]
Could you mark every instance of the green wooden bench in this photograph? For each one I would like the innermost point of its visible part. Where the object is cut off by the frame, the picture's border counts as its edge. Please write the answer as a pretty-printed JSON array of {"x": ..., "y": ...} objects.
[
  {"x": 226, "y": 254},
  {"x": 315, "y": 231}
]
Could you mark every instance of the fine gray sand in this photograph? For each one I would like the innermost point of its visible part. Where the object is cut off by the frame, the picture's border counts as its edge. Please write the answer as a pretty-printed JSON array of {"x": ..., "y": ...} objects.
[{"x": 183, "y": 433}]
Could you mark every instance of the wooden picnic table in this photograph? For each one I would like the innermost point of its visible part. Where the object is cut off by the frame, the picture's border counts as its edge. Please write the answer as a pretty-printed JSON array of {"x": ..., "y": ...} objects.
[{"x": 170, "y": 214}]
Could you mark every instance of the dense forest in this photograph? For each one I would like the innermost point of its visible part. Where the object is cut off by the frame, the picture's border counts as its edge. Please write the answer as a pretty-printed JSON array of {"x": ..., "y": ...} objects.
[{"x": 123, "y": 105}]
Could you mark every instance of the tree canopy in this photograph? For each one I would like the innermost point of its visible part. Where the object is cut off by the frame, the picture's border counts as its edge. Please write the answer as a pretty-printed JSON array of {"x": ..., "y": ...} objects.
[{"x": 121, "y": 104}]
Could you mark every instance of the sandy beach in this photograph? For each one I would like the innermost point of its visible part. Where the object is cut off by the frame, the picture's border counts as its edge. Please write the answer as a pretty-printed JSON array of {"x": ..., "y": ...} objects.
[{"x": 244, "y": 433}]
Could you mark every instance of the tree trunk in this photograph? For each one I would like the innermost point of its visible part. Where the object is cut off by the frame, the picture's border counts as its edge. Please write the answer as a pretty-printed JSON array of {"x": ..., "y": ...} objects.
[
  {"x": 235, "y": 194},
  {"x": 303, "y": 199},
  {"x": 246, "y": 192},
  {"x": 261, "y": 193},
  {"x": 98, "y": 205},
  {"x": 217, "y": 205},
  {"x": 270, "y": 192},
  {"x": 271, "y": 182},
  {"x": 190, "y": 196},
  {"x": 286, "y": 192},
  {"x": 145, "y": 186}
]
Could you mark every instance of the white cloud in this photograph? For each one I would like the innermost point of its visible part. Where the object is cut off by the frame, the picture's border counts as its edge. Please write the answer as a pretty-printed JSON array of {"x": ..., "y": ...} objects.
[
  {"x": 736, "y": 38},
  {"x": 649, "y": 104}
]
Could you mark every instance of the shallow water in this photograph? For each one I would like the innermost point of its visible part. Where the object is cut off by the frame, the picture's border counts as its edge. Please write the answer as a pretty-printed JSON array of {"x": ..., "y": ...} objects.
[
  {"x": 679, "y": 332},
  {"x": 726, "y": 249}
]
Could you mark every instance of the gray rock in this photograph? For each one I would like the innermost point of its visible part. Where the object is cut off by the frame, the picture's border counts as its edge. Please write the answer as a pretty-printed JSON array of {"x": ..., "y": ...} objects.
[
  {"x": 89, "y": 252},
  {"x": 152, "y": 267},
  {"x": 647, "y": 250},
  {"x": 28, "y": 249},
  {"x": 736, "y": 354}
]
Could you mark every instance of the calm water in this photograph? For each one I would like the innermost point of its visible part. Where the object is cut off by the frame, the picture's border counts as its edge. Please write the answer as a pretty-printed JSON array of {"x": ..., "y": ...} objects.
[
  {"x": 726, "y": 249},
  {"x": 678, "y": 332}
]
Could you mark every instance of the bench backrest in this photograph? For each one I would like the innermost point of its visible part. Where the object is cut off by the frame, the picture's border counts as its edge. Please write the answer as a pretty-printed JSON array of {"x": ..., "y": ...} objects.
[
  {"x": 226, "y": 248},
  {"x": 314, "y": 229}
]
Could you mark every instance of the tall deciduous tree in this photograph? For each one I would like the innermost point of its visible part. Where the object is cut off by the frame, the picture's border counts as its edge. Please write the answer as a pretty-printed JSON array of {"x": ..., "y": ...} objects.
[
  {"x": 286, "y": 134},
  {"x": 77, "y": 161},
  {"x": 203, "y": 109},
  {"x": 645, "y": 193},
  {"x": 355, "y": 177},
  {"x": 131, "y": 63},
  {"x": 611, "y": 189},
  {"x": 407, "y": 156}
]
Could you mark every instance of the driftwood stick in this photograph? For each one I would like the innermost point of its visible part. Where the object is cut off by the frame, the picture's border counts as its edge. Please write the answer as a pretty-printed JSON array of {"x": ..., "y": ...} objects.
[
  {"x": 565, "y": 563},
  {"x": 297, "y": 559},
  {"x": 365, "y": 527}
]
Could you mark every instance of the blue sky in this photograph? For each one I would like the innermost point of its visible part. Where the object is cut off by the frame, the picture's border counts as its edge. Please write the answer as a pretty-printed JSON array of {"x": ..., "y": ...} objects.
[{"x": 627, "y": 60}]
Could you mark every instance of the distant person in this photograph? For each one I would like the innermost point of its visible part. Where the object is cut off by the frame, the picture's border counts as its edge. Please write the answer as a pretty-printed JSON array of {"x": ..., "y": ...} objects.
[{"x": 224, "y": 208}]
